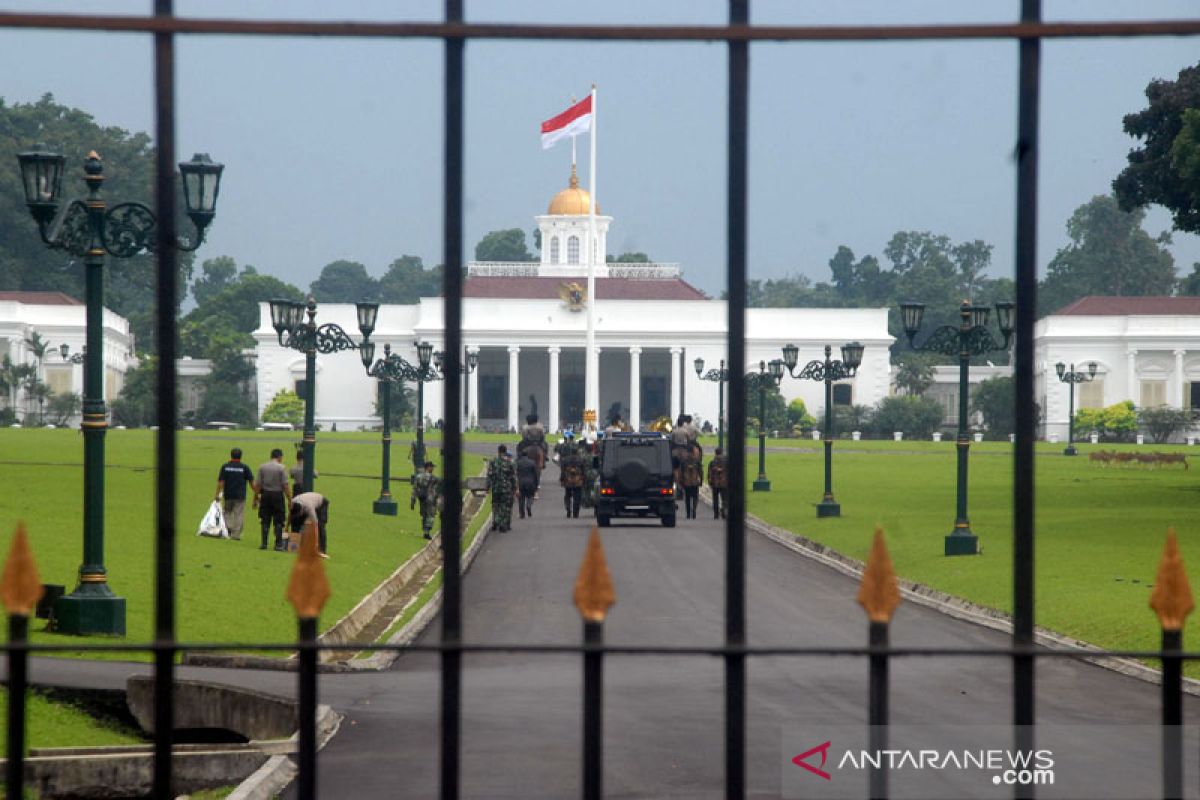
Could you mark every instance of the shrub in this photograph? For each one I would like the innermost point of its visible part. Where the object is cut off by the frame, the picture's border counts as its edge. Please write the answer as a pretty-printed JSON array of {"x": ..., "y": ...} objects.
[
  {"x": 285, "y": 406},
  {"x": 1164, "y": 422},
  {"x": 798, "y": 416},
  {"x": 1116, "y": 423},
  {"x": 851, "y": 418},
  {"x": 917, "y": 416}
]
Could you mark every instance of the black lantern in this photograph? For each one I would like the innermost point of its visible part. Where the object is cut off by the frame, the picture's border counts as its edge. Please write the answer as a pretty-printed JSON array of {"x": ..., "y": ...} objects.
[
  {"x": 1092, "y": 369},
  {"x": 65, "y": 349},
  {"x": 791, "y": 354},
  {"x": 366, "y": 351},
  {"x": 699, "y": 365},
  {"x": 281, "y": 316},
  {"x": 852, "y": 353},
  {"x": 776, "y": 369},
  {"x": 912, "y": 314},
  {"x": 1004, "y": 317},
  {"x": 472, "y": 360},
  {"x": 41, "y": 175},
  {"x": 201, "y": 183},
  {"x": 979, "y": 315},
  {"x": 367, "y": 313},
  {"x": 1061, "y": 369},
  {"x": 424, "y": 353}
]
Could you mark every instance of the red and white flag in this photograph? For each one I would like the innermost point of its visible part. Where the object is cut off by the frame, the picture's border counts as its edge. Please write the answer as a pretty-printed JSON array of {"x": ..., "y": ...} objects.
[{"x": 575, "y": 120}]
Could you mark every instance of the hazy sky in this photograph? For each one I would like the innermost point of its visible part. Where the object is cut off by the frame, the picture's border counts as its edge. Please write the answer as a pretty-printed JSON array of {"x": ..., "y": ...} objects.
[{"x": 333, "y": 147}]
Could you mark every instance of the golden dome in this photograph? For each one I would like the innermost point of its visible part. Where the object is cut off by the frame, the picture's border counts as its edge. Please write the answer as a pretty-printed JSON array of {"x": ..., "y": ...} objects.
[{"x": 572, "y": 200}]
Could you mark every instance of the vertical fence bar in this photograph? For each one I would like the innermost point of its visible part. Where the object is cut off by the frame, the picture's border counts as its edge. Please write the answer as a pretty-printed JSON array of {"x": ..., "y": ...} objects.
[
  {"x": 879, "y": 595},
  {"x": 1026, "y": 413},
  {"x": 735, "y": 524},
  {"x": 1172, "y": 601},
  {"x": 452, "y": 289},
  {"x": 18, "y": 666},
  {"x": 168, "y": 293},
  {"x": 594, "y": 595},
  {"x": 306, "y": 781}
]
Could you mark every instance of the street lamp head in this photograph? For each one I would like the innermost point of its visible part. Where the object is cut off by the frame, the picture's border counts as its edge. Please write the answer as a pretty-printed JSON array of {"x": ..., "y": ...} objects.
[
  {"x": 699, "y": 365},
  {"x": 1061, "y": 369},
  {"x": 1091, "y": 369},
  {"x": 852, "y": 353},
  {"x": 472, "y": 360},
  {"x": 1004, "y": 317},
  {"x": 65, "y": 349},
  {"x": 424, "y": 352},
  {"x": 201, "y": 183},
  {"x": 439, "y": 359},
  {"x": 791, "y": 354},
  {"x": 367, "y": 351},
  {"x": 41, "y": 175},
  {"x": 281, "y": 315},
  {"x": 911, "y": 315},
  {"x": 776, "y": 367},
  {"x": 979, "y": 316},
  {"x": 367, "y": 313}
]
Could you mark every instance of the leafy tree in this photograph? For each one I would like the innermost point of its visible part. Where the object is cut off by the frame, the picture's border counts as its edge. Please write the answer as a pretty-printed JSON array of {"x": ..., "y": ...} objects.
[
  {"x": 401, "y": 406},
  {"x": 1191, "y": 284},
  {"x": 1109, "y": 254},
  {"x": 1166, "y": 169},
  {"x": 847, "y": 419},
  {"x": 225, "y": 319},
  {"x": 35, "y": 391},
  {"x": 26, "y": 264},
  {"x": 136, "y": 405},
  {"x": 285, "y": 406},
  {"x": 505, "y": 245},
  {"x": 995, "y": 400},
  {"x": 37, "y": 394},
  {"x": 915, "y": 374},
  {"x": 407, "y": 281},
  {"x": 345, "y": 282},
  {"x": 797, "y": 415},
  {"x": 776, "y": 407},
  {"x": 629, "y": 258},
  {"x": 917, "y": 417},
  {"x": 225, "y": 389},
  {"x": 217, "y": 274},
  {"x": 1118, "y": 422},
  {"x": 62, "y": 407},
  {"x": 12, "y": 378},
  {"x": 1164, "y": 422}
]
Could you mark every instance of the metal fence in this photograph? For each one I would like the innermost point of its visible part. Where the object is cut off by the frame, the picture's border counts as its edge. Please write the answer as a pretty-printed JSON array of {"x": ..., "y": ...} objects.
[{"x": 738, "y": 36}]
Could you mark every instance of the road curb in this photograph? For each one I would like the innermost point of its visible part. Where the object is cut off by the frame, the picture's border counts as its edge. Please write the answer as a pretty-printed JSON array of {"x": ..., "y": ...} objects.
[{"x": 952, "y": 606}]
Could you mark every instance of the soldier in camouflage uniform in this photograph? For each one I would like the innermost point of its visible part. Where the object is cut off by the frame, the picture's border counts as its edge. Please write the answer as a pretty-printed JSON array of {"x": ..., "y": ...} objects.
[
  {"x": 502, "y": 481},
  {"x": 572, "y": 474},
  {"x": 425, "y": 490}
]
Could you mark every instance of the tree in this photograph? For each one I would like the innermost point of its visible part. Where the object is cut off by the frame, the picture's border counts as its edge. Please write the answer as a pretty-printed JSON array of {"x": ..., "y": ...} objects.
[
  {"x": 995, "y": 400},
  {"x": 1165, "y": 170},
  {"x": 629, "y": 258},
  {"x": 407, "y": 281},
  {"x": 1164, "y": 422},
  {"x": 12, "y": 378},
  {"x": 26, "y": 264},
  {"x": 1191, "y": 284},
  {"x": 505, "y": 245},
  {"x": 62, "y": 407},
  {"x": 797, "y": 415},
  {"x": 225, "y": 390},
  {"x": 225, "y": 319},
  {"x": 1109, "y": 254},
  {"x": 36, "y": 391},
  {"x": 848, "y": 419},
  {"x": 400, "y": 406},
  {"x": 137, "y": 404},
  {"x": 776, "y": 407},
  {"x": 918, "y": 417},
  {"x": 345, "y": 282},
  {"x": 1118, "y": 422},
  {"x": 217, "y": 274},
  {"x": 285, "y": 406},
  {"x": 915, "y": 374}
]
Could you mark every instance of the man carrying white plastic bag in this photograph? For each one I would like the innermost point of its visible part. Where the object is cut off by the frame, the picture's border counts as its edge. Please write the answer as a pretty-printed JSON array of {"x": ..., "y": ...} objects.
[{"x": 213, "y": 523}]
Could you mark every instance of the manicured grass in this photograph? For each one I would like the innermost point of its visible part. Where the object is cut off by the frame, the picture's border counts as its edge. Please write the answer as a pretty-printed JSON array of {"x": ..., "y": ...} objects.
[
  {"x": 226, "y": 590},
  {"x": 54, "y": 723},
  {"x": 1099, "y": 531}
]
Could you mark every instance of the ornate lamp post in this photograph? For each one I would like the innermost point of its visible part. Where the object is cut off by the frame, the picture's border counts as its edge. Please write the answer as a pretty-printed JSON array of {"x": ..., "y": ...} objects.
[
  {"x": 719, "y": 376},
  {"x": 827, "y": 371},
  {"x": 1071, "y": 377},
  {"x": 970, "y": 338},
  {"x": 287, "y": 317},
  {"x": 89, "y": 229},
  {"x": 772, "y": 372}
]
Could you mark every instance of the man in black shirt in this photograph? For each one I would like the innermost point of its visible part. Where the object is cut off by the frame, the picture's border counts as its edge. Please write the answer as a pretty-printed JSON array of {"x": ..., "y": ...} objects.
[{"x": 232, "y": 481}]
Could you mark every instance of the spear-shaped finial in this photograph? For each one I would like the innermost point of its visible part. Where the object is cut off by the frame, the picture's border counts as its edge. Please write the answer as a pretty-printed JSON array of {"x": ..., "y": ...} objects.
[
  {"x": 594, "y": 593},
  {"x": 20, "y": 586},
  {"x": 1172, "y": 595},
  {"x": 879, "y": 594},
  {"x": 308, "y": 588}
]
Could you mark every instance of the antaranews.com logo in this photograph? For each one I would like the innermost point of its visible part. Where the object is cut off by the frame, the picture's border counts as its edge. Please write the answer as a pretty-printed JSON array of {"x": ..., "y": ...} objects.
[{"x": 1005, "y": 767}]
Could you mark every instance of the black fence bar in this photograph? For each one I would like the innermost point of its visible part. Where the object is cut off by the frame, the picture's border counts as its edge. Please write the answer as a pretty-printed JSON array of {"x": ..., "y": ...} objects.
[
  {"x": 452, "y": 290},
  {"x": 18, "y": 680},
  {"x": 593, "y": 712},
  {"x": 166, "y": 330},
  {"x": 877, "y": 704},
  {"x": 735, "y": 524},
  {"x": 306, "y": 780},
  {"x": 612, "y": 33},
  {"x": 1172, "y": 714}
]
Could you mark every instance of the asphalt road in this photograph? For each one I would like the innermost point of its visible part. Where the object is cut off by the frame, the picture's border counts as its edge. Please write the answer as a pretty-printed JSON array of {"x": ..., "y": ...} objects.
[{"x": 664, "y": 720}]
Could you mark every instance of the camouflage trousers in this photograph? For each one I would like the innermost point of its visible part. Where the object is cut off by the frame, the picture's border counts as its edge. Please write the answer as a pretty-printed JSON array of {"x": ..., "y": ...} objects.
[
  {"x": 502, "y": 506},
  {"x": 429, "y": 512}
]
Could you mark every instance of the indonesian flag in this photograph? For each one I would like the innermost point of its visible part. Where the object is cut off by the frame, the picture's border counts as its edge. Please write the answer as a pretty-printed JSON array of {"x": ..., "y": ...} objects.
[{"x": 575, "y": 120}]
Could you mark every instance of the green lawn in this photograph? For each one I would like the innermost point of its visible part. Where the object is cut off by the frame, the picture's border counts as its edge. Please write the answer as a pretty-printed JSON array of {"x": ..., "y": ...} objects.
[
  {"x": 54, "y": 723},
  {"x": 227, "y": 590},
  {"x": 1099, "y": 531}
]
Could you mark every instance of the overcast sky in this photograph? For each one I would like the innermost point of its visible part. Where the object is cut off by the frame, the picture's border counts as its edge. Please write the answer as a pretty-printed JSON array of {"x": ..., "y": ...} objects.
[{"x": 333, "y": 148}]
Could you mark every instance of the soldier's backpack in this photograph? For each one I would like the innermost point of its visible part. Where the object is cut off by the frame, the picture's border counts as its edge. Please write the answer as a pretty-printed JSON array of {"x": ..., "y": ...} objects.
[
  {"x": 572, "y": 476},
  {"x": 716, "y": 475},
  {"x": 690, "y": 473}
]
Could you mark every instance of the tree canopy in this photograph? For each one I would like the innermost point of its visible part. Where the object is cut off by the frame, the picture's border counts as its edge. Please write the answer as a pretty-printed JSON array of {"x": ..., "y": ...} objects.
[
  {"x": 345, "y": 282},
  {"x": 505, "y": 245},
  {"x": 1166, "y": 168},
  {"x": 26, "y": 264},
  {"x": 229, "y": 312},
  {"x": 407, "y": 281}
]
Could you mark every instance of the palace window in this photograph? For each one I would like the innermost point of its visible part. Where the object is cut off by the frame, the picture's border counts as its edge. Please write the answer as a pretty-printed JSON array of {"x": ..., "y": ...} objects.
[
  {"x": 554, "y": 250},
  {"x": 573, "y": 250}
]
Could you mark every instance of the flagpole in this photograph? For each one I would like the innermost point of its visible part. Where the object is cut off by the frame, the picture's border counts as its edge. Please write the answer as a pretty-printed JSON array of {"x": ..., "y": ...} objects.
[{"x": 591, "y": 379}]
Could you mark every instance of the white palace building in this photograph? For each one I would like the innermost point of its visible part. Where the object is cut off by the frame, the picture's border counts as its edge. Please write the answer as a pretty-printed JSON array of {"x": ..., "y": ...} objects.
[{"x": 527, "y": 323}]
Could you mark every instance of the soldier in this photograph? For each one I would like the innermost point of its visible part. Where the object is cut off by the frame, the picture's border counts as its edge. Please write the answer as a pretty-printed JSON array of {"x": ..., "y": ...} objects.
[
  {"x": 718, "y": 481},
  {"x": 528, "y": 479},
  {"x": 690, "y": 478},
  {"x": 572, "y": 475},
  {"x": 502, "y": 481},
  {"x": 680, "y": 439},
  {"x": 425, "y": 490},
  {"x": 533, "y": 441}
]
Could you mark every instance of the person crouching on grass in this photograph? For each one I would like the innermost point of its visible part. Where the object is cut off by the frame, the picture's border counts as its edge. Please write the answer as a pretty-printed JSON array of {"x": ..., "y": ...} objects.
[{"x": 310, "y": 506}]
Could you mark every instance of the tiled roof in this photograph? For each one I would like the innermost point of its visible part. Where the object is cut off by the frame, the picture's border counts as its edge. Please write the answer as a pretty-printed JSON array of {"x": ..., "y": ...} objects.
[
  {"x": 1098, "y": 306},
  {"x": 547, "y": 288},
  {"x": 39, "y": 298}
]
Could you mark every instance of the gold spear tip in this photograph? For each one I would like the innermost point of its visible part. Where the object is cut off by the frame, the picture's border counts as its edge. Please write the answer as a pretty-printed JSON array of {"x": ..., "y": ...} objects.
[
  {"x": 20, "y": 586},
  {"x": 308, "y": 588},
  {"x": 1172, "y": 595},
  {"x": 594, "y": 593},
  {"x": 879, "y": 593}
]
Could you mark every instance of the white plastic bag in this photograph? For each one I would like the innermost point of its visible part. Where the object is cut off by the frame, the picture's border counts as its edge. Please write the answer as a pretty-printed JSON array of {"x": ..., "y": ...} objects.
[{"x": 213, "y": 523}]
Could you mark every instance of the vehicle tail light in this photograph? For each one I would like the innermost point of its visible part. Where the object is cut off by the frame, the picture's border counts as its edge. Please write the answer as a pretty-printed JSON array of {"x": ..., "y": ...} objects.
[
  {"x": 606, "y": 490},
  {"x": 668, "y": 490}
]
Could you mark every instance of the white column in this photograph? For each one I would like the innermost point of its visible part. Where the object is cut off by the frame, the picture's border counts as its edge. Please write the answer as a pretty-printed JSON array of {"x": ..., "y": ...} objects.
[
  {"x": 1131, "y": 377},
  {"x": 552, "y": 422},
  {"x": 473, "y": 390},
  {"x": 674, "y": 383},
  {"x": 635, "y": 387},
  {"x": 514, "y": 389},
  {"x": 1176, "y": 398}
]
